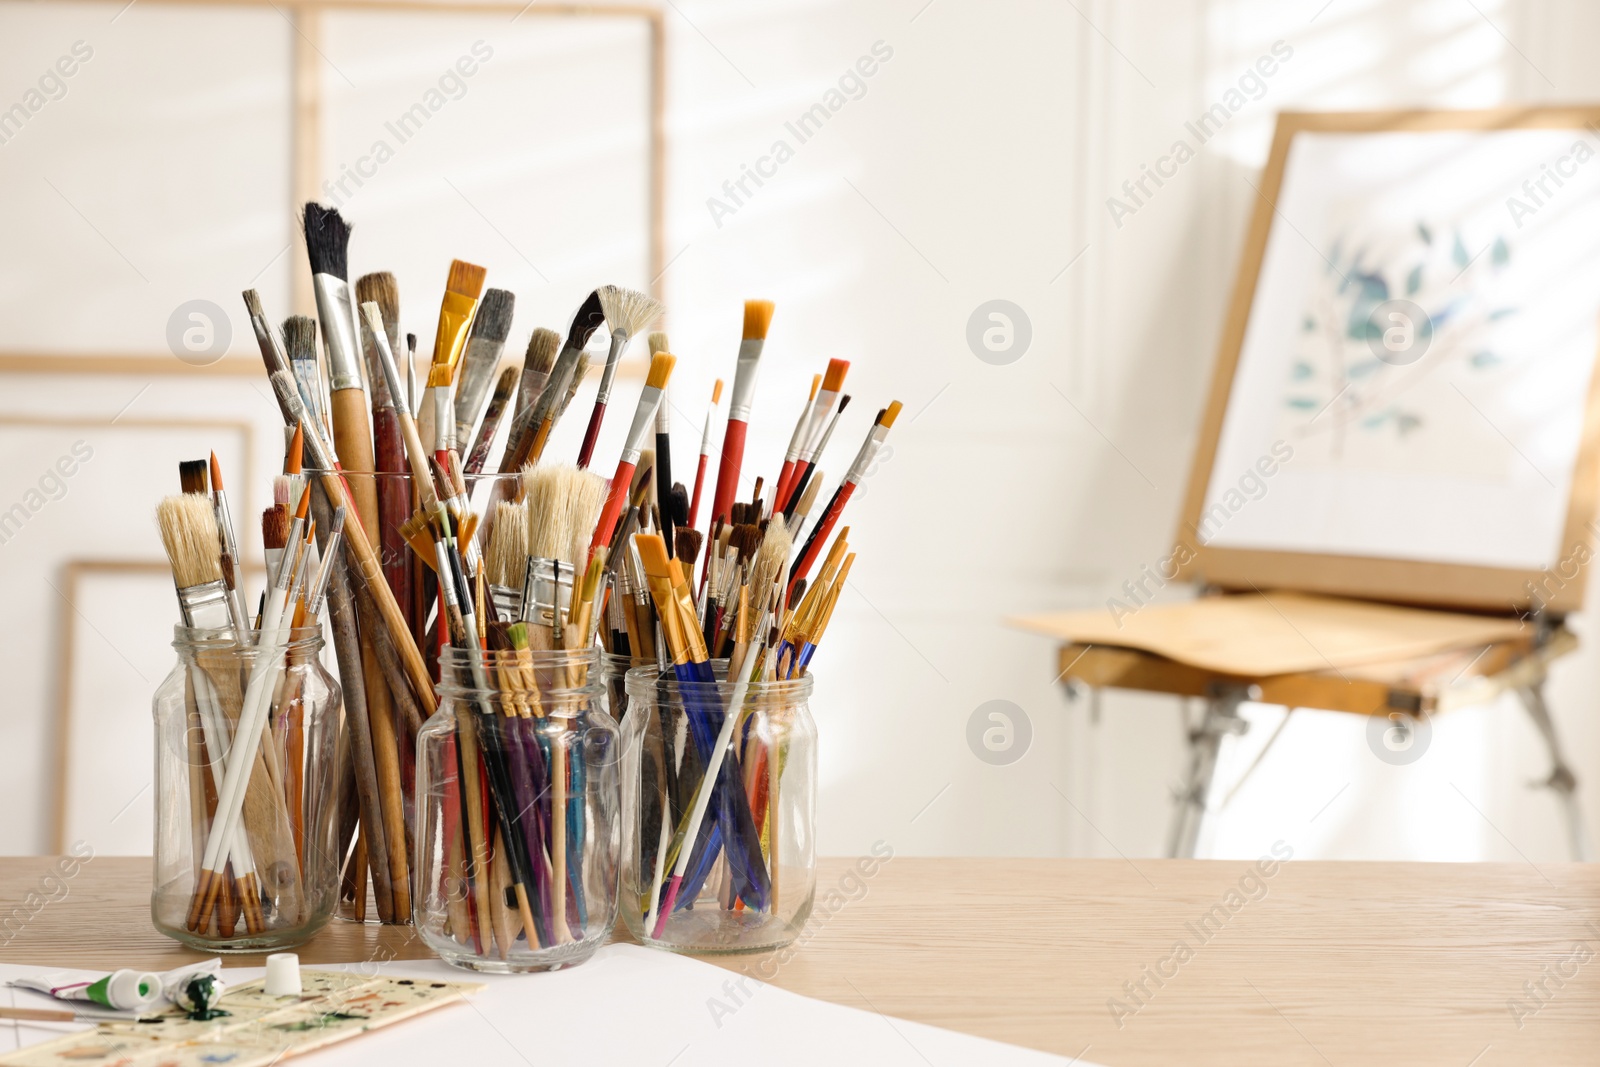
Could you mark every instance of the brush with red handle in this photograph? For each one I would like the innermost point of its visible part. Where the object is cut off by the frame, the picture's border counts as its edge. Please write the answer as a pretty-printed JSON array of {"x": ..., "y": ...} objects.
[
  {"x": 661, "y": 365},
  {"x": 757, "y": 317},
  {"x": 841, "y": 495},
  {"x": 705, "y": 453}
]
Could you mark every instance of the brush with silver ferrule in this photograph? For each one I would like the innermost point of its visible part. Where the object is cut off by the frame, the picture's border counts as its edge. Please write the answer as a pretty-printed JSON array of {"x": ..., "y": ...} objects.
[
  {"x": 561, "y": 504},
  {"x": 300, "y": 343},
  {"x": 815, "y": 421},
  {"x": 537, "y": 365},
  {"x": 808, "y": 463},
  {"x": 655, "y": 384},
  {"x": 463, "y": 286},
  {"x": 489, "y": 425},
  {"x": 627, "y": 312},
  {"x": 490, "y": 327}
]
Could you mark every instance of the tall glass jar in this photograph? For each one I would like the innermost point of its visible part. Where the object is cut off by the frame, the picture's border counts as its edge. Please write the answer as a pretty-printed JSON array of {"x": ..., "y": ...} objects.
[
  {"x": 614, "y": 667},
  {"x": 271, "y": 881},
  {"x": 518, "y": 791},
  {"x": 732, "y": 869}
]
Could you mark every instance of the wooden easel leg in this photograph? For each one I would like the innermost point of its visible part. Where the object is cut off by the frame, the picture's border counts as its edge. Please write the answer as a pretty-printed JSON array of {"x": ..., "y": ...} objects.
[
  {"x": 1205, "y": 741},
  {"x": 1561, "y": 781}
]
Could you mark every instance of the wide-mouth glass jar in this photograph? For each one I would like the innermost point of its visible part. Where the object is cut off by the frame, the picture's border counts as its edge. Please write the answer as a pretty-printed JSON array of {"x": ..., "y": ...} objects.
[
  {"x": 246, "y": 858},
  {"x": 723, "y": 861},
  {"x": 383, "y": 715},
  {"x": 518, "y": 792}
]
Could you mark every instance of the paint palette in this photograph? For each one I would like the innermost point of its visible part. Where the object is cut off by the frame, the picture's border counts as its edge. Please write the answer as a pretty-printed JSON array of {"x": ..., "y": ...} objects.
[{"x": 258, "y": 1029}]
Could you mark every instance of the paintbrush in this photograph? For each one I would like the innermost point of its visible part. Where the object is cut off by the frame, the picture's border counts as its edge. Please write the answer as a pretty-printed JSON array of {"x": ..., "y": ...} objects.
[
  {"x": 660, "y": 371},
  {"x": 323, "y": 457},
  {"x": 705, "y": 453},
  {"x": 563, "y": 381},
  {"x": 436, "y": 420},
  {"x": 507, "y": 557},
  {"x": 537, "y": 365},
  {"x": 562, "y": 502},
  {"x": 413, "y": 394},
  {"x": 490, "y": 328},
  {"x": 797, "y": 439},
  {"x": 841, "y": 495},
  {"x": 479, "y": 454},
  {"x": 757, "y": 318},
  {"x": 808, "y": 462},
  {"x": 232, "y": 563},
  {"x": 388, "y": 444},
  {"x": 832, "y": 382},
  {"x": 808, "y": 497},
  {"x": 300, "y": 343},
  {"x": 627, "y": 312}
]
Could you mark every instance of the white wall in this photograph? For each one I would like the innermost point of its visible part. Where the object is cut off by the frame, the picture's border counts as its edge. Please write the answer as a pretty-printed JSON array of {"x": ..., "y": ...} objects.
[{"x": 976, "y": 166}]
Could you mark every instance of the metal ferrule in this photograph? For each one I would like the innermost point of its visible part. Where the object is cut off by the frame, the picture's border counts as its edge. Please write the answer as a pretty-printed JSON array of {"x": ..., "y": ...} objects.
[
  {"x": 744, "y": 380},
  {"x": 447, "y": 582},
  {"x": 869, "y": 450},
  {"x": 619, "y": 341},
  {"x": 817, "y": 423},
  {"x": 705, "y": 435},
  {"x": 205, "y": 606},
  {"x": 664, "y": 414},
  {"x": 337, "y": 316},
  {"x": 546, "y": 590},
  {"x": 507, "y": 601},
  {"x": 380, "y": 341},
  {"x": 444, "y": 419},
  {"x": 480, "y": 365},
  {"x": 643, "y": 415}
]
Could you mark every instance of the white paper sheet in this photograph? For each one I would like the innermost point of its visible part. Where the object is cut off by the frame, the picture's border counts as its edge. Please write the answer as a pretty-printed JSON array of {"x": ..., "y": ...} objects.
[{"x": 628, "y": 1005}]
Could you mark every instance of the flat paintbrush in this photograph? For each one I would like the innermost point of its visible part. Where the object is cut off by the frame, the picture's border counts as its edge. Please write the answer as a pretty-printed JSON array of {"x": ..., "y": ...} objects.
[
  {"x": 808, "y": 464},
  {"x": 660, "y": 371},
  {"x": 537, "y": 365},
  {"x": 705, "y": 453},
  {"x": 436, "y": 420},
  {"x": 388, "y": 444},
  {"x": 757, "y": 319},
  {"x": 490, "y": 328},
  {"x": 841, "y": 496},
  {"x": 492, "y": 415}
]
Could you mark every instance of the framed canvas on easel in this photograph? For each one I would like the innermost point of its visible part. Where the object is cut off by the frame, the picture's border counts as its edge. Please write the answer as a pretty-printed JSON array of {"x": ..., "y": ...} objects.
[{"x": 1397, "y": 465}]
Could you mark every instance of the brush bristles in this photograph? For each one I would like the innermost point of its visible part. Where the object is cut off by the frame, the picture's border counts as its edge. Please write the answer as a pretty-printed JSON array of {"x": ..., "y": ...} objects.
[
  {"x": 193, "y": 476},
  {"x": 678, "y": 504},
  {"x": 493, "y": 320},
  {"x": 543, "y": 347},
  {"x": 661, "y": 365},
  {"x": 275, "y": 526},
  {"x": 380, "y": 288},
  {"x": 834, "y": 379},
  {"x": 590, "y": 317},
  {"x": 716, "y": 393},
  {"x": 686, "y": 545},
  {"x": 508, "y": 545},
  {"x": 653, "y": 555},
  {"x": 579, "y": 369},
  {"x": 189, "y": 534},
  {"x": 890, "y": 413},
  {"x": 757, "y": 317},
  {"x": 300, "y": 337},
  {"x": 280, "y": 489},
  {"x": 658, "y": 342},
  {"x": 327, "y": 240},
  {"x": 816, "y": 383},
  {"x": 562, "y": 503},
  {"x": 628, "y": 311},
  {"x": 466, "y": 278},
  {"x": 809, "y": 497},
  {"x": 844, "y": 402}
]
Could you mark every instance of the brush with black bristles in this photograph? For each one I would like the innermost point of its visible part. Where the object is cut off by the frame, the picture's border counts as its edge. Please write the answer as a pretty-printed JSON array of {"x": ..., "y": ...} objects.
[
  {"x": 413, "y": 394},
  {"x": 300, "y": 343},
  {"x": 490, "y": 328},
  {"x": 327, "y": 237},
  {"x": 627, "y": 312},
  {"x": 802, "y": 480},
  {"x": 564, "y": 376}
]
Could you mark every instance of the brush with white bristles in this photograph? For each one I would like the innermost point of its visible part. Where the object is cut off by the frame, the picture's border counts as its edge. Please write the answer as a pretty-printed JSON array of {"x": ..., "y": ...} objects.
[
  {"x": 627, "y": 313},
  {"x": 507, "y": 559},
  {"x": 561, "y": 503}
]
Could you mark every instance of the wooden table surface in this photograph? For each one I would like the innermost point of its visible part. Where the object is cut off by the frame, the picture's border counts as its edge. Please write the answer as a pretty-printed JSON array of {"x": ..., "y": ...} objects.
[{"x": 1320, "y": 964}]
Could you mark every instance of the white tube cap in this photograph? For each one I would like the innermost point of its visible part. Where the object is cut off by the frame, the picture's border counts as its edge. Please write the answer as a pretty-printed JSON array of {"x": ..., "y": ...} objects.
[{"x": 283, "y": 975}]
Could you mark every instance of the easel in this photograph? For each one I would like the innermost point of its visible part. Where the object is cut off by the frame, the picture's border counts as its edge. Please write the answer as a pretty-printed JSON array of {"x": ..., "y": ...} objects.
[{"x": 1372, "y": 657}]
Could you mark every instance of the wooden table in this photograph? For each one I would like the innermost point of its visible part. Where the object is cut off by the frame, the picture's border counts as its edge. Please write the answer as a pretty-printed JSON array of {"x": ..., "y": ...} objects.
[{"x": 1320, "y": 964}]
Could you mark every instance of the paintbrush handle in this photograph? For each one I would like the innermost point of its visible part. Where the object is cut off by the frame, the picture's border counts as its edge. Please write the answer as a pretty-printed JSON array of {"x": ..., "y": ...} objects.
[
  {"x": 780, "y": 494},
  {"x": 591, "y": 433},
  {"x": 819, "y": 534},
  {"x": 699, "y": 484},
  {"x": 394, "y": 499},
  {"x": 728, "y": 469},
  {"x": 615, "y": 500}
]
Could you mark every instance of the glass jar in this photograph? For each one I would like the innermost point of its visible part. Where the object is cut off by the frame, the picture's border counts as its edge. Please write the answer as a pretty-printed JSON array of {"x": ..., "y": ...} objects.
[
  {"x": 273, "y": 879},
  {"x": 382, "y": 715},
  {"x": 614, "y": 668},
  {"x": 683, "y": 887},
  {"x": 517, "y": 800}
]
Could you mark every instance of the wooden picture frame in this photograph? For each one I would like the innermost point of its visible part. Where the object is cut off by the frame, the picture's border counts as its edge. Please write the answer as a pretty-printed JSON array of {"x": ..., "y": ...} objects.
[{"x": 1438, "y": 583}]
